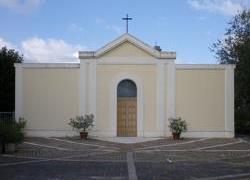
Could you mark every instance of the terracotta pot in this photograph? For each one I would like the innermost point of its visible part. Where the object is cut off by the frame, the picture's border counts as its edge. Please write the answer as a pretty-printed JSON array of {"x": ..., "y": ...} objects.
[
  {"x": 10, "y": 148},
  {"x": 84, "y": 135},
  {"x": 176, "y": 136}
]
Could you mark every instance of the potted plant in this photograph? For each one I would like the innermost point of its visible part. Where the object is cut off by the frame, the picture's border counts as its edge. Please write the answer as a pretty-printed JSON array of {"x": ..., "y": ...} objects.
[
  {"x": 12, "y": 134},
  {"x": 82, "y": 124},
  {"x": 177, "y": 126}
]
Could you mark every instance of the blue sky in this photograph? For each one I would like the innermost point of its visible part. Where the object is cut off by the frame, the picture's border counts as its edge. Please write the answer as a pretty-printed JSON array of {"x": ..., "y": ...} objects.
[{"x": 50, "y": 31}]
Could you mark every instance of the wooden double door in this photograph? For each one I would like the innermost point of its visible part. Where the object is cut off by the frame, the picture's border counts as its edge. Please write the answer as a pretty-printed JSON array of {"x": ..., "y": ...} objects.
[{"x": 126, "y": 116}]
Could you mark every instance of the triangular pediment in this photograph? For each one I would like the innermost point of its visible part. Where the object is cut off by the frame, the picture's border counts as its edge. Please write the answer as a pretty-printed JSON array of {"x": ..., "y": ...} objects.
[
  {"x": 127, "y": 46},
  {"x": 126, "y": 49}
]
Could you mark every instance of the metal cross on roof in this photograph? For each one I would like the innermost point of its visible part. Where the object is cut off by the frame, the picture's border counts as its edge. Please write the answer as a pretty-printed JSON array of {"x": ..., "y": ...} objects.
[{"x": 127, "y": 19}]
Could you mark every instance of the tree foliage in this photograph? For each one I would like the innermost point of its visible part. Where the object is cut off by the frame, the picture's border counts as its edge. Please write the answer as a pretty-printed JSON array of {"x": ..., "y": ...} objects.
[
  {"x": 7, "y": 78},
  {"x": 235, "y": 49}
]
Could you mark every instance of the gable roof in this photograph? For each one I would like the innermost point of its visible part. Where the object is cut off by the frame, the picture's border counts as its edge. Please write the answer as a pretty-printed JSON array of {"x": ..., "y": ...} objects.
[{"x": 127, "y": 38}]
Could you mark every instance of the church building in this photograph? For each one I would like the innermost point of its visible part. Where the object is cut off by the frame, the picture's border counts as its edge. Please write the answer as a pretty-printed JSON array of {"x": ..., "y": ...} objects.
[{"x": 131, "y": 88}]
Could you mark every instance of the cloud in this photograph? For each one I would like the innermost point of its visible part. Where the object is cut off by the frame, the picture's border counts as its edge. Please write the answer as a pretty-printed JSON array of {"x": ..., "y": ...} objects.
[
  {"x": 8, "y": 44},
  {"x": 21, "y": 5},
  {"x": 50, "y": 50},
  {"x": 38, "y": 50},
  {"x": 226, "y": 7}
]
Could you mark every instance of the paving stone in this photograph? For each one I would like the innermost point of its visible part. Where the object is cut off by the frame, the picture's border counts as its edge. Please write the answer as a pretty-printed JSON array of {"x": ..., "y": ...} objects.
[
  {"x": 8, "y": 159},
  {"x": 186, "y": 170},
  {"x": 96, "y": 159},
  {"x": 65, "y": 170}
]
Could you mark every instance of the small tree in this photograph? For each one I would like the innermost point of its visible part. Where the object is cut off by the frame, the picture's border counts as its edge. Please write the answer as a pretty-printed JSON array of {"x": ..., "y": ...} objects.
[
  {"x": 82, "y": 124},
  {"x": 7, "y": 78},
  {"x": 177, "y": 126}
]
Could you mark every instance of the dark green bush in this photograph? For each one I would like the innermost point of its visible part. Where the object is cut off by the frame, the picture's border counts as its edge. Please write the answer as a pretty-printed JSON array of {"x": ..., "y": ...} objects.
[
  {"x": 242, "y": 122},
  {"x": 11, "y": 131}
]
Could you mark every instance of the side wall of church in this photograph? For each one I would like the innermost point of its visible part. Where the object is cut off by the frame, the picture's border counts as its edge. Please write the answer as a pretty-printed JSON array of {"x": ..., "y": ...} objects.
[
  {"x": 200, "y": 100},
  {"x": 50, "y": 99}
]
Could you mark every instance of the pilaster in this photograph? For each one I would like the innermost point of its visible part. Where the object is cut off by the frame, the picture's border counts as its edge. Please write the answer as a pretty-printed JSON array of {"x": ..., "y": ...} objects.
[
  {"x": 171, "y": 88},
  {"x": 83, "y": 85},
  {"x": 18, "y": 91},
  {"x": 229, "y": 101},
  {"x": 92, "y": 88},
  {"x": 160, "y": 97}
]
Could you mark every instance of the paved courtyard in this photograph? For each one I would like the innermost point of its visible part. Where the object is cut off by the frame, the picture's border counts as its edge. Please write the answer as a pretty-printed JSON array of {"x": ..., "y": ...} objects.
[{"x": 71, "y": 158}]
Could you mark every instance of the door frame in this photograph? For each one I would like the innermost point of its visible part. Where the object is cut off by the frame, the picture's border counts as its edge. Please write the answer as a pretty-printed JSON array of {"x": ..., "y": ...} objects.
[{"x": 113, "y": 102}]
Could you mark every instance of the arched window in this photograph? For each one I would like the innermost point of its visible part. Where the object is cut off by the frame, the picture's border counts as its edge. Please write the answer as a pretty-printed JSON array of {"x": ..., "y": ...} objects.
[{"x": 126, "y": 88}]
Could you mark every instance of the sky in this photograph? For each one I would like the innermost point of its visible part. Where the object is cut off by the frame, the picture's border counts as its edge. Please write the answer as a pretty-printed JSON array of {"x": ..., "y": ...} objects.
[{"x": 55, "y": 30}]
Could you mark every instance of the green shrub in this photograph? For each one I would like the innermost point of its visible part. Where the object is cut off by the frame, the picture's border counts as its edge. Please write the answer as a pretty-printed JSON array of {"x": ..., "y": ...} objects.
[
  {"x": 177, "y": 125},
  {"x": 82, "y": 123},
  {"x": 242, "y": 122},
  {"x": 14, "y": 135},
  {"x": 12, "y": 131}
]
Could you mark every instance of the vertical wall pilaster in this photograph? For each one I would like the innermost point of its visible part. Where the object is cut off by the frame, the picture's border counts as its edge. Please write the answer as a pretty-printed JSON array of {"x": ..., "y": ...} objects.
[
  {"x": 161, "y": 97},
  {"x": 171, "y": 88},
  {"x": 18, "y": 91},
  {"x": 229, "y": 101},
  {"x": 92, "y": 88},
  {"x": 83, "y": 84}
]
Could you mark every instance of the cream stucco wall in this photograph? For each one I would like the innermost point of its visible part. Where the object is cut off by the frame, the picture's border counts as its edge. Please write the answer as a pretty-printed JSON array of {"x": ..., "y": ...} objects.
[
  {"x": 200, "y": 99},
  {"x": 48, "y": 95},
  {"x": 105, "y": 75},
  {"x": 50, "y": 98}
]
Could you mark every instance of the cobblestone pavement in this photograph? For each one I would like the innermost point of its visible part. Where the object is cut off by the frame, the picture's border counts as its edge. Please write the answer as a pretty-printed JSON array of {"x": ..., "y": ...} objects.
[{"x": 72, "y": 158}]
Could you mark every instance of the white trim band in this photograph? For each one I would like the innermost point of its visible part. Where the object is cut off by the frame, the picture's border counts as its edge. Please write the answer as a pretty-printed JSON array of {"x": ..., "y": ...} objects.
[
  {"x": 49, "y": 65},
  {"x": 204, "y": 66}
]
